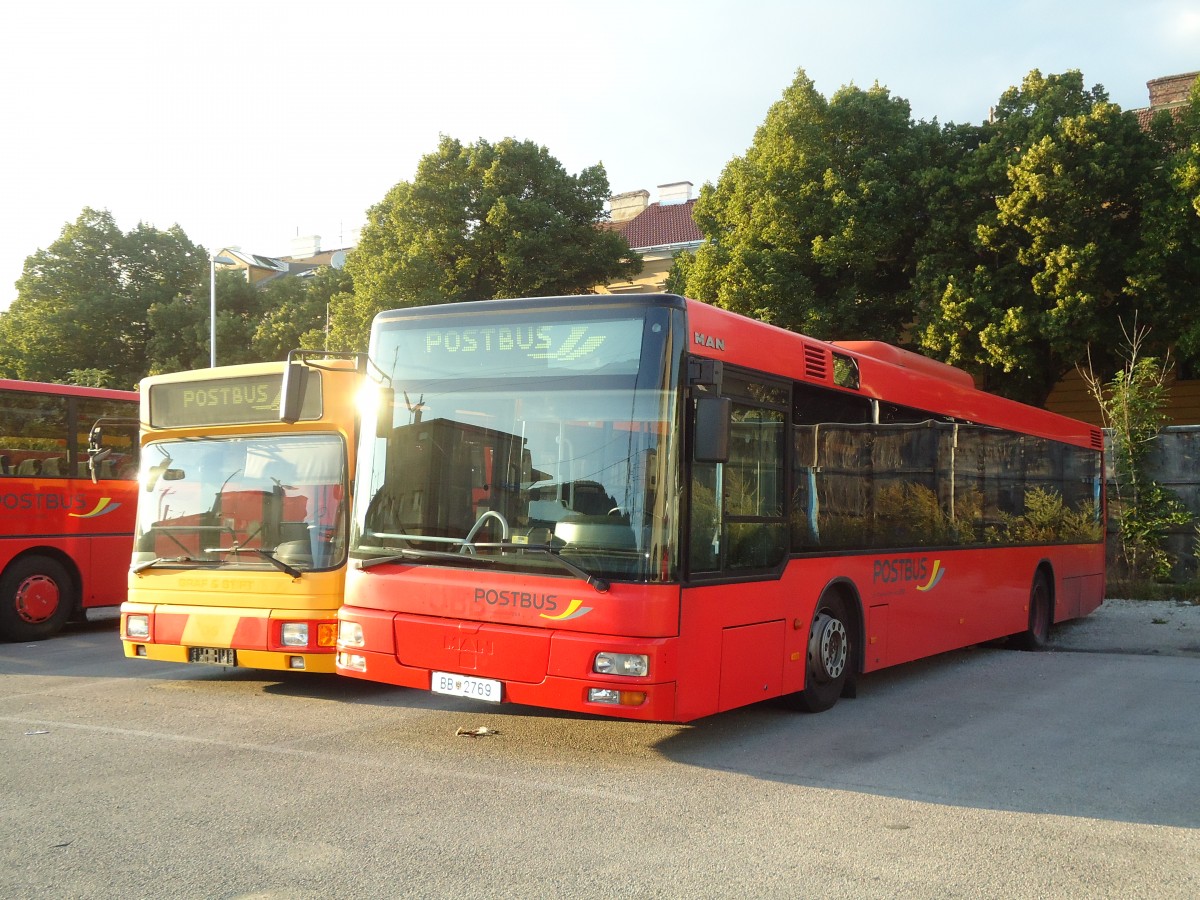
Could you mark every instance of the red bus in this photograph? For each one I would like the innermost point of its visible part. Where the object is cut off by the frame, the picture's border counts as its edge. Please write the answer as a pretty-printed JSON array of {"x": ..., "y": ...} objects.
[
  {"x": 648, "y": 507},
  {"x": 65, "y": 536}
]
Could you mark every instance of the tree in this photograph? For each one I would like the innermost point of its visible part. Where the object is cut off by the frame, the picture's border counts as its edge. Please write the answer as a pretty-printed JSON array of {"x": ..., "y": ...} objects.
[
  {"x": 83, "y": 303},
  {"x": 1053, "y": 253},
  {"x": 296, "y": 312},
  {"x": 1131, "y": 409},
  {"x": 814, "y": 228},
  {"x": 180, "y": 327},
  {"x": 480, "y": 222},
  {"x": 1175, "y": 221}
]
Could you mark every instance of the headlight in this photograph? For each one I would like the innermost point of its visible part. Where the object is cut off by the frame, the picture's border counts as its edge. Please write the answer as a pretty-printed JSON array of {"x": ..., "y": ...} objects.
[
  {"x": 137, "y": 627},
  {"x": 613, "y": 696},
  {"x": 294, "y": 634},
  {"x": 635, "y": 664},
  {"x": 350, "y": 634}
]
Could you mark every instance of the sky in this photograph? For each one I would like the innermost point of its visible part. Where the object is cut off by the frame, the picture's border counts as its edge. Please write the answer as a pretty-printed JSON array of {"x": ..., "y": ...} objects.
[{"x": 251, "y": 122}]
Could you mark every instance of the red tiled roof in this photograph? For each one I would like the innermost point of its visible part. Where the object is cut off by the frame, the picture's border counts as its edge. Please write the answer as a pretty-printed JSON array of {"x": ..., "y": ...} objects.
[
  {"x": 1146, "y": 113},
  {"x": 659, "y": 226}
]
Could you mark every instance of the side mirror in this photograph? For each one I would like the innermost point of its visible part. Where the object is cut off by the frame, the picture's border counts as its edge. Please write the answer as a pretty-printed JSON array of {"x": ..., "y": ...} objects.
[
  {"x": 711, "y": 435},
  {"x": 386, "y": 403},
  {"x": 291, "y": 392}
]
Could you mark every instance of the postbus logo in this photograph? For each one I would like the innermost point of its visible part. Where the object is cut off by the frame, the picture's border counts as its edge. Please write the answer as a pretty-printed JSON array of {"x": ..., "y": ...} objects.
[
  {"x": 103, "y": 507},
  {"x": 921, "y": 572},
  {"x": 574, "y": 610}
]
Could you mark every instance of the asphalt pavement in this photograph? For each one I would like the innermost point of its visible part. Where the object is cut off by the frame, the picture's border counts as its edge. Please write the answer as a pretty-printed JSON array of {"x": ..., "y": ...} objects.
[{"x": 1144, "y": 627}]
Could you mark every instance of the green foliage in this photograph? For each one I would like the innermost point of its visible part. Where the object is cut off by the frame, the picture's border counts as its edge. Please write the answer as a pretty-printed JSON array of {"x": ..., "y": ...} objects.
[
  {"x": 677, "y": 278},
  {"x": 1007, "y": 248},
  {"x": 180, "y": 327},
  {"x": 1178, "y": 224},
  {"x": 103, "y": 307},
  {"x": 909, "y": 514},
  {"x": 814, "y": 228},
  {"x": 295, "y": 313},
  {"x": 89, "y": 378},
  {"x": 1131, "y": 407},
  {"x": 1052, "y": 214},
  {"x": 480, "y": 222},
  {"x": 1047, "y": 520},
  {"x": 84, "y": 302}
]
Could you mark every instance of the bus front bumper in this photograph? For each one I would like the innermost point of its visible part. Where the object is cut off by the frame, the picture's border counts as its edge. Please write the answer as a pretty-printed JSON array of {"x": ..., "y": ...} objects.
[
  {"x": 230, "y": 637},
  {"x": 563, "y": 680}
]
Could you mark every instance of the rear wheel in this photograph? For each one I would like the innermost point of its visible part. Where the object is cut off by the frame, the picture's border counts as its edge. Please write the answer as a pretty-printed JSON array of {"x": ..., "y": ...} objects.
[
  {"x": 1038, "y": 633},
  {"x": 830, "y": 656},
  {"x": 36, "y": 599}
]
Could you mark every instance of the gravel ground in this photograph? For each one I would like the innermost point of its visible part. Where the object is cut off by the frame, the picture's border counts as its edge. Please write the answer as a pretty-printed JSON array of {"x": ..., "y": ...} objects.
[{"x": 1164, "y": 627}]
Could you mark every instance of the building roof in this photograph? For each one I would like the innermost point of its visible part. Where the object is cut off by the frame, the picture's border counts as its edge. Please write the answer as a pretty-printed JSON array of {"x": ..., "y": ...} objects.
[
  {"x": 254, "y": 260},
  {"x": 1168, "y": 93},
  {"x": 661, "y": 225}
]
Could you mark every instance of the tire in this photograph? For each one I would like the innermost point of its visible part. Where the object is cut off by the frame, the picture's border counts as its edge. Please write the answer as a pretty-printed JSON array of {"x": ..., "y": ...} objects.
[
  {"x": 36, "y": 599},
  {"x": 830, "y": 659},
  {"x": 1036, "y": 636}
]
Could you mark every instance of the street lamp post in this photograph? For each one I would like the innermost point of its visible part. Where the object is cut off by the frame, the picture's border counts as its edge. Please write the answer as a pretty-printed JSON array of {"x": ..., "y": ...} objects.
[{"x": 212, "y": 305}]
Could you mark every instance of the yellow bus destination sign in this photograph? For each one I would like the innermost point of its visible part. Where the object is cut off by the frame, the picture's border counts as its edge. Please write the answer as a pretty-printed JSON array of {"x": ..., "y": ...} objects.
[{"x": 227, "y": 401}]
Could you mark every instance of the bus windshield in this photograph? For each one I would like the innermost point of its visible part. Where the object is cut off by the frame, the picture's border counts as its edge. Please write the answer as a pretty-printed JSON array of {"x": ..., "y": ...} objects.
[
  {"x": 255, "y": 502},
  {"x": 523, "y": 443}
]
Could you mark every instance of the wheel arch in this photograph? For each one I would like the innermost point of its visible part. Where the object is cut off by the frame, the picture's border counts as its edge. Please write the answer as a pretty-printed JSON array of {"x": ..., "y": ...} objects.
[
  {"x": 848, "y": 591},
  {"x": 1045, "y": 569}
]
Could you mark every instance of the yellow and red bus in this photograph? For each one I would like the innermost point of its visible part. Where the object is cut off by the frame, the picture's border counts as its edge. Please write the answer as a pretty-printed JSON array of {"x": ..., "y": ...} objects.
[
  {"x": 239, "y": 552},
  {"x": 64, "y": 535},
  {"x": 648, "y": 507}
]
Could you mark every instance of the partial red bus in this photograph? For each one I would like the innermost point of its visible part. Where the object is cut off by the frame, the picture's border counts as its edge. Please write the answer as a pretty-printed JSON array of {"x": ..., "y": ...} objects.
[
  {"x": 648, "y": 507},
  {"x": 65, "y": 538}
]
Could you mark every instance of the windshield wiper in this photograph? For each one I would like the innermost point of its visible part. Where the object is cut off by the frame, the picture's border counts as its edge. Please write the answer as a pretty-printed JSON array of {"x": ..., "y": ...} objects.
[
  {"x": 196, "y": 563},
  {"x": 555, "y": 553},
  {"x": 265, "y": 554},
  {"x": 600, "y": 584},
  {"x": 407, "y": 553},
  {"x": 277, "y": 563}
]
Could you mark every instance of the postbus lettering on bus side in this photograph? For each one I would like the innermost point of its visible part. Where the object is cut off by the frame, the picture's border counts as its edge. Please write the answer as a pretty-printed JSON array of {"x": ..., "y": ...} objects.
[
  {"x": 890, "y": 571},
  {"x": 43, "y": 501},
  {"x": 907, "y": 570}
]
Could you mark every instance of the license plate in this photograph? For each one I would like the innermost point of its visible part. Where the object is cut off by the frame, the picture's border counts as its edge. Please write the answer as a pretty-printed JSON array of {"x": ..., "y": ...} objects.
[
  {"x": 466, "y": 686},
  {"x": 213, "y": 656}
]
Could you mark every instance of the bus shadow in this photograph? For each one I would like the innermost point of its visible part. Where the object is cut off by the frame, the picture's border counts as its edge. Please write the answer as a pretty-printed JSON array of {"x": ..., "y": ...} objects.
[{"x": 981, "y": 728}]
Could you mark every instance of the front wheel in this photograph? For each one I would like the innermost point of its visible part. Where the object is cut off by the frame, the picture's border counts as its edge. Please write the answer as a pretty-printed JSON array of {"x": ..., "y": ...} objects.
[
  {"x": 36, "y": 599},
  {"x": 830, "y": 661}
]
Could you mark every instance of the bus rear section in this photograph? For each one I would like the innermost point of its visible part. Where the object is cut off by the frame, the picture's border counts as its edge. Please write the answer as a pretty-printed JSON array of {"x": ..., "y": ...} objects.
[
  {"x": 64, "y": 535},
  {"x": 645, "y": 507},
  {"x": 240, "y": 546}
]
